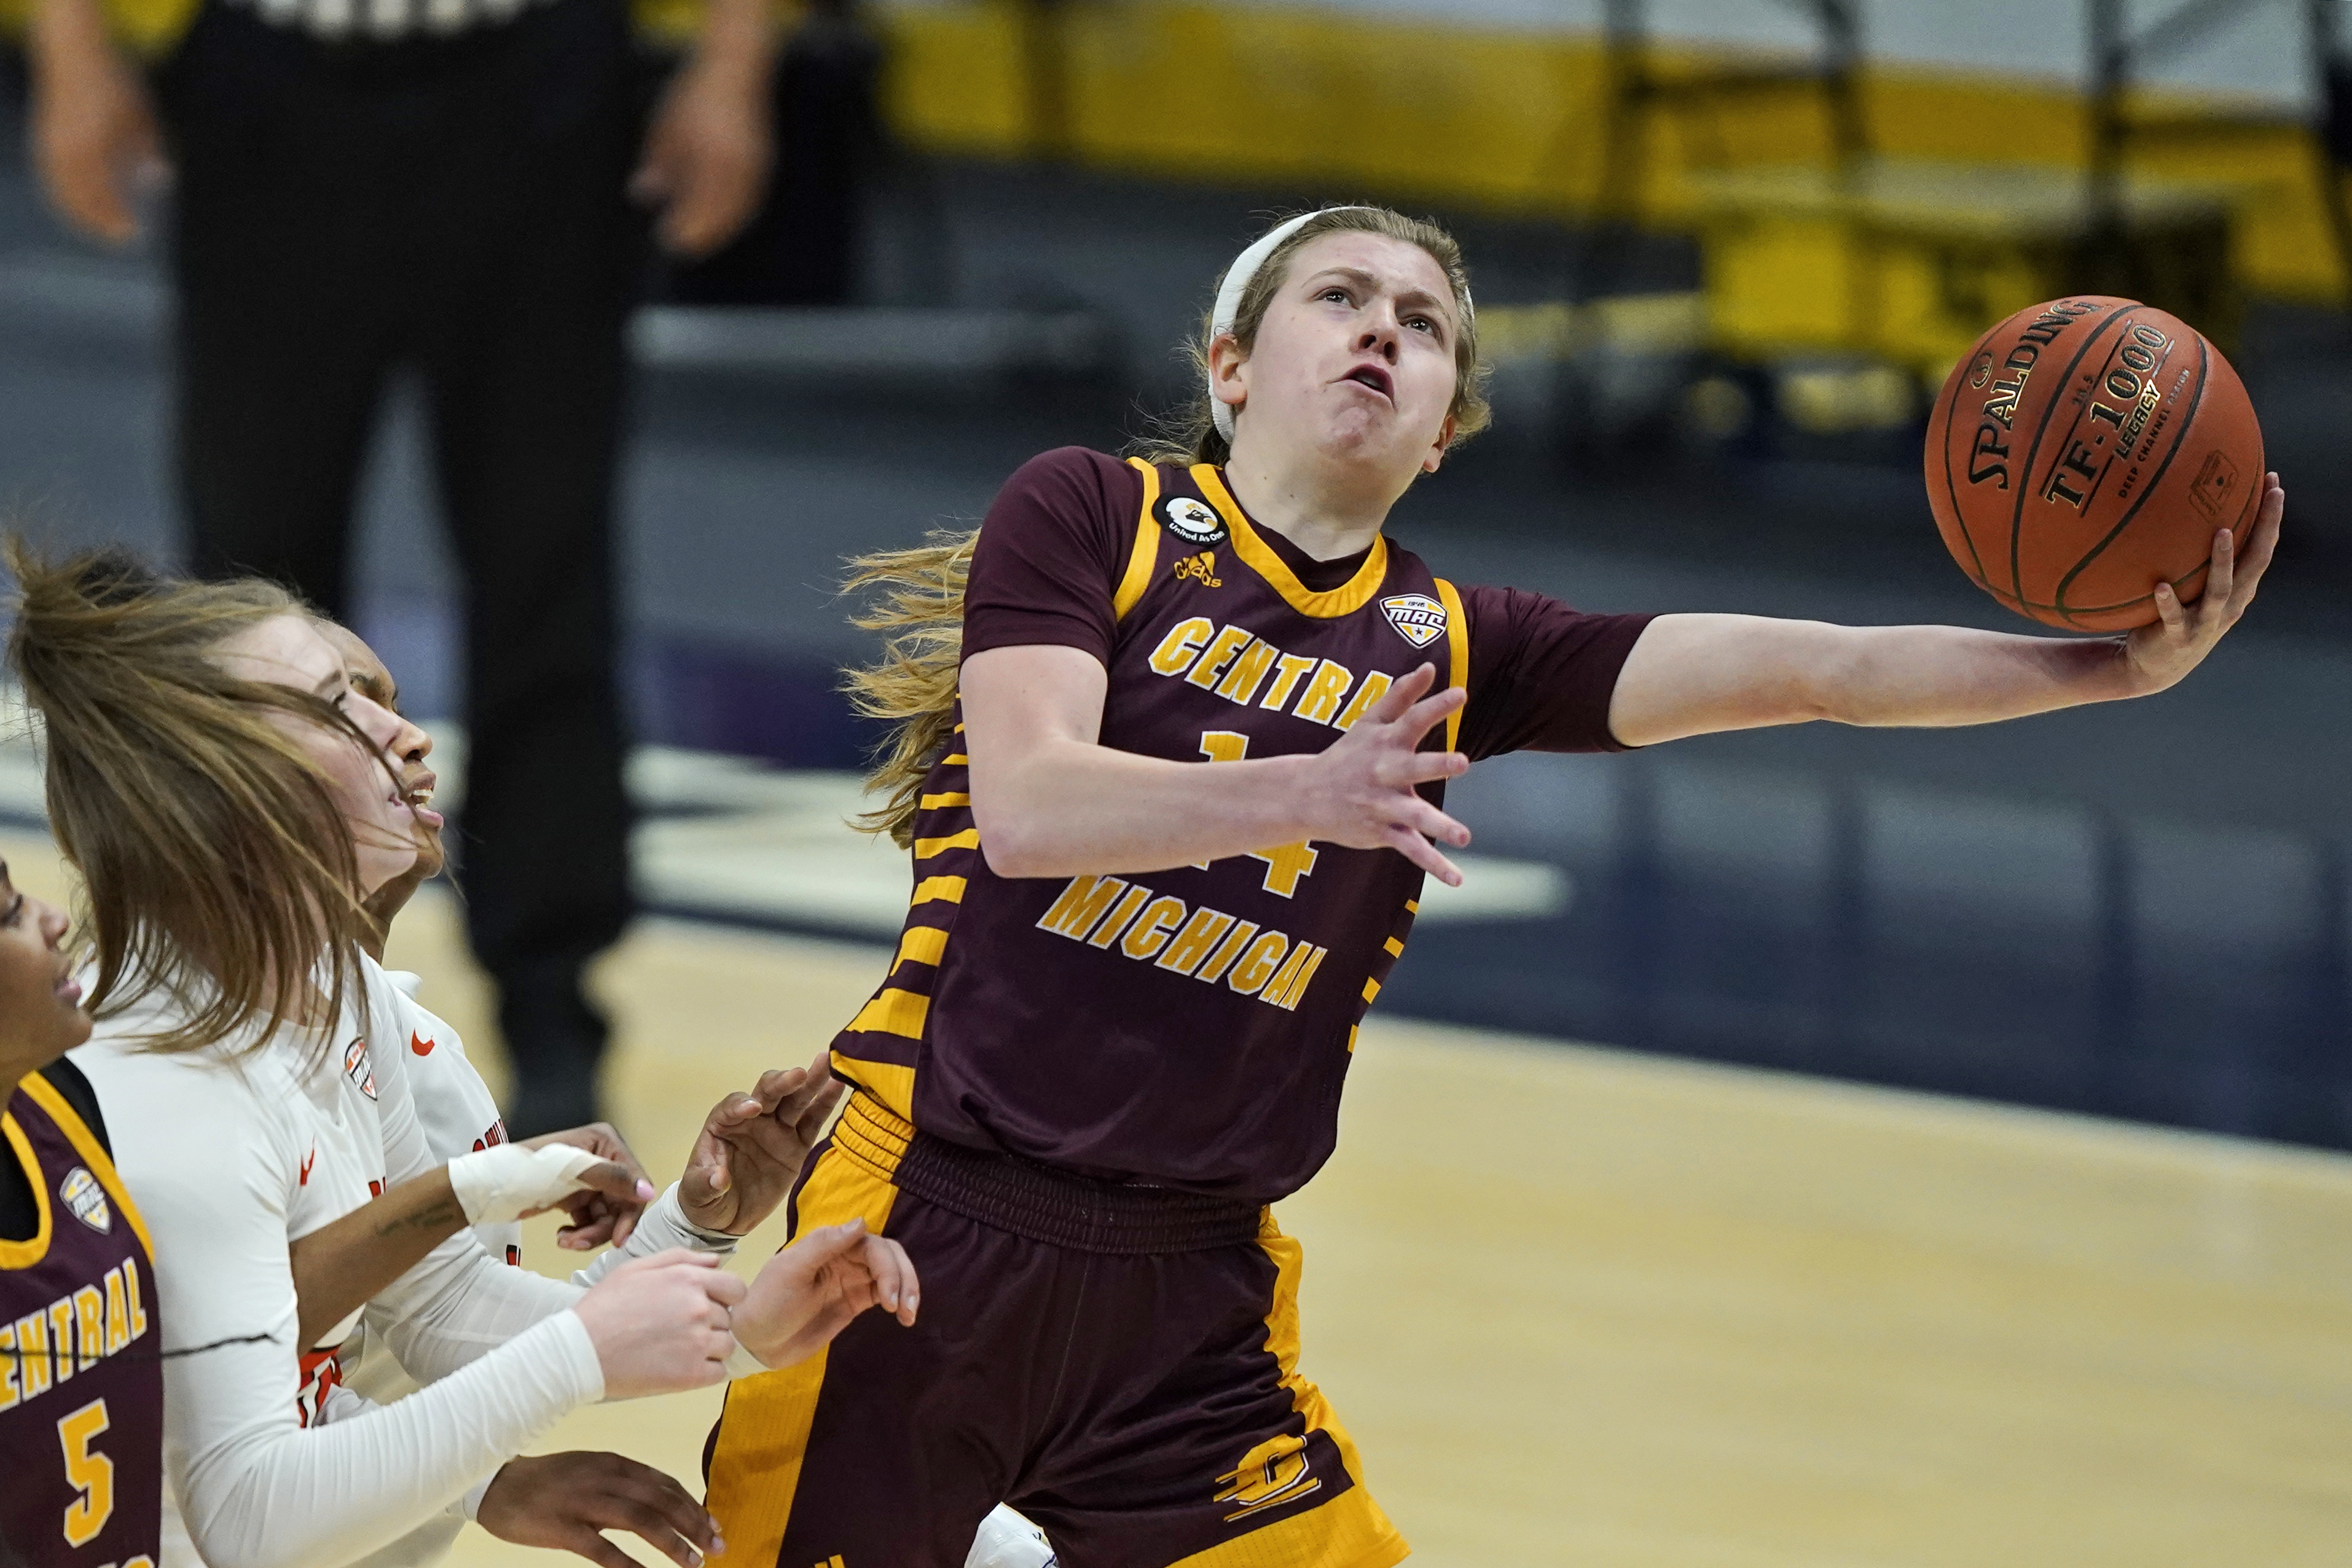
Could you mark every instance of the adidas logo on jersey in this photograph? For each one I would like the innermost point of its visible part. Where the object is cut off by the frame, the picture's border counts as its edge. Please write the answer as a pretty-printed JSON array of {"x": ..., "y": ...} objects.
[
  {"x": 1201, "y": 569},
  {"x": 1417, "y": 617}
]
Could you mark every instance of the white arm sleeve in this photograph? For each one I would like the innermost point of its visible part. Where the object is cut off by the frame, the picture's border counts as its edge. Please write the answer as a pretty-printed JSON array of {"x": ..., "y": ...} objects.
[
  {"x": 458, "y": 1304},
  {"x": 291, "y": 1498},
  {"x": 663, "y": 1225},
  {"x": 214, "y": 1155}
]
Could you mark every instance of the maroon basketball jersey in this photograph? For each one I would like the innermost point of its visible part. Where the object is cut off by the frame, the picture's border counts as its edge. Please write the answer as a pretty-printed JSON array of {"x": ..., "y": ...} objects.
[
  {"x": 1189, "y": 1027},
  {"x": 82, "y": 1388}
]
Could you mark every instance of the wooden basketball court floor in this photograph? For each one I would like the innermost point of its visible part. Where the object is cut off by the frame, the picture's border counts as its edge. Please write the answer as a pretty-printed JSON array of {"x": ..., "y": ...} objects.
[{"x": 1582, "y": 1307}]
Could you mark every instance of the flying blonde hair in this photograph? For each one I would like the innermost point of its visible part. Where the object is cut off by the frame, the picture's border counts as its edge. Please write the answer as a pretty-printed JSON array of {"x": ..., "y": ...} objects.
[
  {"x": 919, "y": 602},
  {"x": 217, "y": 868}
]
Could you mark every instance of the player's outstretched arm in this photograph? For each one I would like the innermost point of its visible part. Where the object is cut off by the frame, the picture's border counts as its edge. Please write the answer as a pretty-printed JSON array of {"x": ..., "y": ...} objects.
[
  {"x": 1695, "y": 675},
  {"x": 345, "y": 1263},
  {"x": 1051, "y": 801},
  {"x": 812, "y": 1289}
]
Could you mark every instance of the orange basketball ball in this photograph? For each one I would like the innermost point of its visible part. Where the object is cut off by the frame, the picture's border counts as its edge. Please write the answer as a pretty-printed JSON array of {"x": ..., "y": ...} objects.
[{"x": 2084, "y": 451}]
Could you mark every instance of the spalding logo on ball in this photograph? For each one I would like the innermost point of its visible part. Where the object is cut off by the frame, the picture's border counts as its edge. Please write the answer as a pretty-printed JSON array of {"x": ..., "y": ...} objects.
[{"x": 2085, "y": 450}]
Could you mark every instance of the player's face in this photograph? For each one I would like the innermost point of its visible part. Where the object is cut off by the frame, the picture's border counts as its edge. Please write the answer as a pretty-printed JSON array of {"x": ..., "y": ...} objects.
[
  {"x": 41, "y": 1016},
  {"x": 371, "y": 678},
  {"x": 1355, "y": 358},
  {"x": 286, "y": 650}
]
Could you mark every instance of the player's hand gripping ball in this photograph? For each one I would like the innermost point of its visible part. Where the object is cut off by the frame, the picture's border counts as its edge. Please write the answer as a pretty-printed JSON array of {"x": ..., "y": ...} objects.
[{"x": 2084, "y": 450}]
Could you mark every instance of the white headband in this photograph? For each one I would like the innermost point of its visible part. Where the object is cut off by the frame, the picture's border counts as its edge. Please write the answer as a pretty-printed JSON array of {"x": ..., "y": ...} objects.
[{"x": 1237, "y": 282}]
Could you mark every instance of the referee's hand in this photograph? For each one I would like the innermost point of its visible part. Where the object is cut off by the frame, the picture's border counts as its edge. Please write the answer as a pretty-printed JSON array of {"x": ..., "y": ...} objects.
[
  {"x": 707, "y": 152},
  {"x": 93, "y": 129}
]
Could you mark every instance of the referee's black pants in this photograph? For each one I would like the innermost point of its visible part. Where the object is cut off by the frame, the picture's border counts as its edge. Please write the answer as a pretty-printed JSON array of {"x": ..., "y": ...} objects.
[{"x": 456, "y": 204}]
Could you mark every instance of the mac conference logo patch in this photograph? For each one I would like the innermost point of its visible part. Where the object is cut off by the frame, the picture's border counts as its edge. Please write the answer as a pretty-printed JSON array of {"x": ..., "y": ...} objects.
[
  {"x": 1192, "y": 520},
  {"x": 1418, "y": 618},
  {"x": 86, "y": 1200},
  {"x": 356, "y": 1067}
]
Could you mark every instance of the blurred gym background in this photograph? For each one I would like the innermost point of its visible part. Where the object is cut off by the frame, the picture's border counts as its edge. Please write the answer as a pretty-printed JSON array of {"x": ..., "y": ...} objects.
[
  {"x": 1580, "y": 1302},
  {"x": 1724, "y": 250}
]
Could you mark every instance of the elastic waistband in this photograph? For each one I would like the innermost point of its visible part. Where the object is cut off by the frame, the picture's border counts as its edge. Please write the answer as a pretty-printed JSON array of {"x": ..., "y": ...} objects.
[{"x": 1036, "y": 1201}]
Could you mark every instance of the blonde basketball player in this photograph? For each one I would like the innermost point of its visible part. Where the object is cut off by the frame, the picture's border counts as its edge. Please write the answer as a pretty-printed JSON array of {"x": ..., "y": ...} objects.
[{"x": 1174, "y": 738}]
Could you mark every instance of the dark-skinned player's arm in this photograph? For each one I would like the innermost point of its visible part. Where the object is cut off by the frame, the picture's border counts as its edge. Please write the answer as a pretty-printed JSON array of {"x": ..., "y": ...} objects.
[
  {"x": 1695, "y": 675},
  {"x": 1051, "y": 801},
  {"x": 342, "y": 1265},
  {"x": 748, "y": 1156}
]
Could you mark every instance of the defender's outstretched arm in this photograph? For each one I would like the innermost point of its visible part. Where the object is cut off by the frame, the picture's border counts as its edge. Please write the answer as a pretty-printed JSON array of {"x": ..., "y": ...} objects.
[{"x": 1693, "y": 675}]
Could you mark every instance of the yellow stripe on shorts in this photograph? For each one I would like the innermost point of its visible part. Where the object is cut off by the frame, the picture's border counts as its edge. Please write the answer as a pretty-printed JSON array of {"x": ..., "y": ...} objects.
[{"x": 764, "y": 1430}]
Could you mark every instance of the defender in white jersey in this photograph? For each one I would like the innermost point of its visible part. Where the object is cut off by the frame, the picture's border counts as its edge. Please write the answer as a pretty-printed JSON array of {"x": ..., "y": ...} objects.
[
  {"x": 225, "y": 796},
  {"x": 752, "y": 1148}
]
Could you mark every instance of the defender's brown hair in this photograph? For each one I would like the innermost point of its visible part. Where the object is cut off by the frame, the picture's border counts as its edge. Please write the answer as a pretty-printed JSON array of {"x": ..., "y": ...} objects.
[
  {"x": 913, "y": 686},
  {"x": 217, "y": 868}
]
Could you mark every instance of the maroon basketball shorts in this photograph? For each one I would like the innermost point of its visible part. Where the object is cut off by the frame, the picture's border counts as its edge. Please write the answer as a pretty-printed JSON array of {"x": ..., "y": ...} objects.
[{"x": 1120, "y": 1363}]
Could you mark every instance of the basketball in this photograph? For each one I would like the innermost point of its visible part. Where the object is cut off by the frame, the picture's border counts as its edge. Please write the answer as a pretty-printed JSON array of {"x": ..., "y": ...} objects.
[{"x": 2084, "y": 451}]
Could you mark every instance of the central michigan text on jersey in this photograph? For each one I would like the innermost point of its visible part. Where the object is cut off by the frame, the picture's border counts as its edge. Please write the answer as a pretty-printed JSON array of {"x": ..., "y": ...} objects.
[{"x": 1191, "y": 1027}]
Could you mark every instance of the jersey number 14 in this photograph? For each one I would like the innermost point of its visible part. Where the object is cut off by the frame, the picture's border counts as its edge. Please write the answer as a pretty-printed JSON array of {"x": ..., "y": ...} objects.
[{"x": 1284, "y": 865}]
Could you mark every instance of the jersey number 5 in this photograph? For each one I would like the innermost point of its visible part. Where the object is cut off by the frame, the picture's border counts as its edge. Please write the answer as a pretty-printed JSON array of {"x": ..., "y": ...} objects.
[
  {"x": 92, "y": 1475},
  {"x": 1284, "y": 865}
]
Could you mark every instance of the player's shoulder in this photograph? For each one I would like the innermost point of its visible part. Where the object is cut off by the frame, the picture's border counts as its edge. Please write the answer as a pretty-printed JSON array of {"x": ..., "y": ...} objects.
[
  {"x": 171, "y": 1114},
  {"x": 427, "y": 1033},
  {"x": 453, "y": 1103},
  {"x": 1077, "y": 480},
  {"x": 73, "y": 1086},
  {"x": 393, "y": 995},
  {"x": 119, "y": 1058},
  {"x": 1083, "y": 463},
  {"x": 1496, "y": 608},
  {"x": 1072, "y": 503}
]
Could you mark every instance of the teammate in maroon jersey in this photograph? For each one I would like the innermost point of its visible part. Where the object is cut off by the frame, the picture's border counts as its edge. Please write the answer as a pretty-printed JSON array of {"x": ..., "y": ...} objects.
[
  {"x": 1125, "y": 998},
  {"x": 81, "y": 1390}
]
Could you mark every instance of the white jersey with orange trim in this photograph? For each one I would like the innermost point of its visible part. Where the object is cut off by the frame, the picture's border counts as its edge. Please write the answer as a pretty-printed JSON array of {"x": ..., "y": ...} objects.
[
  {"x": 459, "y": 1115},
  {"x": 234, "y": 1153},
  {"x": 454, "y": 1106}
]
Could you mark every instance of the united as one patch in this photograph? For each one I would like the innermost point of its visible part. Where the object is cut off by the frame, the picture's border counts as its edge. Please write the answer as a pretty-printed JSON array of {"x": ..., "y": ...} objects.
[
  {"x": 1191, "y": 521},
  {"x": 1418, "y": 618},
  {"x": 86, "y": 1200},
  {"x": 356, "y": 1069}
]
